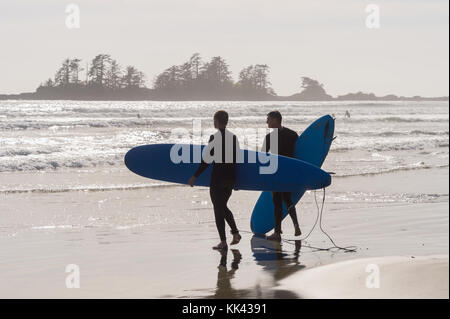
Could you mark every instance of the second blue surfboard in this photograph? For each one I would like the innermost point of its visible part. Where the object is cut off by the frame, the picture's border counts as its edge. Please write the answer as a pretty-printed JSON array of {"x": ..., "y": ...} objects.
[{"x": 312, "y": 146}]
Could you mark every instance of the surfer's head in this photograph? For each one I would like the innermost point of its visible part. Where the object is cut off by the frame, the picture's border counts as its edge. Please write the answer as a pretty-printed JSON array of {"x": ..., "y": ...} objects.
[
  {"x": 274, "y": 119},
  {"x": 220, "y": 119}
]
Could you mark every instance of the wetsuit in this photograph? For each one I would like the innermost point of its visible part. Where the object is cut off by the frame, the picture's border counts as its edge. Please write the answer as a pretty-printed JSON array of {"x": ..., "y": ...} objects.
[
  {"x": 223, "y": 178},
  {"x": 286, "y": 146}
]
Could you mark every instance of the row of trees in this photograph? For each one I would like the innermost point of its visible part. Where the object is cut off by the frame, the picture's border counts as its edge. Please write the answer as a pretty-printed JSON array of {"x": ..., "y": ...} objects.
[
  {"x": 194, "y": 79},
  {"x": 102, "y": 72}
]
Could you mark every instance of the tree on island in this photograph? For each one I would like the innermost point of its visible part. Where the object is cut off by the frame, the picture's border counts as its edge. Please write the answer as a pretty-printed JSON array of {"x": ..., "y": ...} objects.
[
  {"x": 103, "y": 73},
  {"x": 253, "y": 82},
  {"x": 132, "y": 78},
  {"x": 98, "y": 69},
  {"x": 114, "y": 75},
  {"x": 104, "y": 79},
  {"x": 215, "y": 78},
  {"x": 67, "y": 74},
  {"x": 194, "y": 65},
  {"x": 62, "y": 76},
  {"x": 75, "y": 70},
  {"x": 312, "y": 90},
  {"x": 196, "y": 79}
]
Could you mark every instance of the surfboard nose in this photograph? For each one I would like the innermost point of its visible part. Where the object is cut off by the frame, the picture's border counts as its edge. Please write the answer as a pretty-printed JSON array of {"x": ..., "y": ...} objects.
[
  {"x": 327, "y": 181},
  {"x": 321, "y": 182},
  {"x": 327, "y": 127},
  {"x": 126, "y": 158}
]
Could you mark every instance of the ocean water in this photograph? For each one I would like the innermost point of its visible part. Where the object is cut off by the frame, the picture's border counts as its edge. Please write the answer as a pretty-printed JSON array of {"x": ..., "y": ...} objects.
[
  {"x": 61, "y": 162},
  {"x": 68, "y": 136}
]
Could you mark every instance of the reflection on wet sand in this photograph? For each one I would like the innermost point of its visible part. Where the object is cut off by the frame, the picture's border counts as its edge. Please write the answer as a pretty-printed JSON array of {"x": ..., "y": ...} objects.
[
  {"x": 278, "y": 262},
  {"x": 224, "y": 276},
  {"x": 273, "y": 260}
]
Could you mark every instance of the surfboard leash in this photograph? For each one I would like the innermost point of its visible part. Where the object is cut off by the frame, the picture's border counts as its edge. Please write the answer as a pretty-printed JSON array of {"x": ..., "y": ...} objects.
[
  {"x": 319, "y": 218},
  {"x": 320, "y": 215}
]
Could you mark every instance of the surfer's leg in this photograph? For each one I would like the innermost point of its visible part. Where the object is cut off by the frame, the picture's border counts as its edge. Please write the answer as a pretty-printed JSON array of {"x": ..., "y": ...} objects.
[
  {"x": 278, "y": 211},
  {"x": 230, "y": 218},
  {"x": 292, "y": 212},
  {"x": 228, "y": 213},
  {"x": 290, "y": 207},
  {"x": 278, "y": 215},
  {"x": 219, "y": 204}
]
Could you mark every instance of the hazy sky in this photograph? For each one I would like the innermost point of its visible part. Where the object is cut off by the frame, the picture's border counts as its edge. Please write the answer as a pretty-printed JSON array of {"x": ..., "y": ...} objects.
[{"x": 324, "y": 39}]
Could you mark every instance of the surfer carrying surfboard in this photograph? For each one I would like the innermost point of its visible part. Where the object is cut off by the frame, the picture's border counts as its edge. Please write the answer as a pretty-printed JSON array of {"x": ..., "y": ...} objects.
[
  {"x": 286, "y": 139},
  {"x": 222, "y": 147}
]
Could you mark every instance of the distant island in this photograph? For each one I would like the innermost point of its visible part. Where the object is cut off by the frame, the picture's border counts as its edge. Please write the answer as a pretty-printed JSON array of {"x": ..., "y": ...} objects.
[{"x": 105, "y": 79}]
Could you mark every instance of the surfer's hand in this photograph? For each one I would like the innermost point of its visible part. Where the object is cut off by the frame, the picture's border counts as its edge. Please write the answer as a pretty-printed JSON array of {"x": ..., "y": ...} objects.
[{"x": 192, "y": 181}]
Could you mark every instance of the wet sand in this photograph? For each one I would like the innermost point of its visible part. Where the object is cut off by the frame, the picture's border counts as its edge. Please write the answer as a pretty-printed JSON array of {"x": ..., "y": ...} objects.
[{"x": 156, "y": 242}]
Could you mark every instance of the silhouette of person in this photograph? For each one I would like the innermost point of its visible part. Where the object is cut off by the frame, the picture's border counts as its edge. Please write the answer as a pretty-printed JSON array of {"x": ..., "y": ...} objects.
[
  {"x": 223, "y": 177},
  {"x": 286, "y": 145},
  {"x": 347, "y": 114}
]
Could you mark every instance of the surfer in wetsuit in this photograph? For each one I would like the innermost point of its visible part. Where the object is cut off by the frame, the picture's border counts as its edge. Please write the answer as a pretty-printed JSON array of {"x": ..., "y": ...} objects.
[
  {"x": 286, "y": 144},
  {"x": 222, "y": 147}
]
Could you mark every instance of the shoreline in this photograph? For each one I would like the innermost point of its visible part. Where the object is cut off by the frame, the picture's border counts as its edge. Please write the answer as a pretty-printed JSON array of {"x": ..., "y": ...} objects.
[{"x": 129, "y": 181}]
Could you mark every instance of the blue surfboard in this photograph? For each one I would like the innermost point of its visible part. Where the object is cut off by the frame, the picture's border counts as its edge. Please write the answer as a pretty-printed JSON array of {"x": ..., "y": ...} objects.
[
  {"x": 155, "y": 161},
  {"x": 312, "y": 146}
]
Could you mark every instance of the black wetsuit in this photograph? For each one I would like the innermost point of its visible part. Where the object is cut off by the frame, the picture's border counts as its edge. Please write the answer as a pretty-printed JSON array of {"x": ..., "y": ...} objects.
[
  {"x": 223, "y": 178},
  {"x": 286, "y": 146}
]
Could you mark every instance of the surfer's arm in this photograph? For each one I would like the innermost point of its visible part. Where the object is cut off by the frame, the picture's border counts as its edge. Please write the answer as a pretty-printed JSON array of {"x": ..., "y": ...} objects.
[{"x": 202, "y": 167}]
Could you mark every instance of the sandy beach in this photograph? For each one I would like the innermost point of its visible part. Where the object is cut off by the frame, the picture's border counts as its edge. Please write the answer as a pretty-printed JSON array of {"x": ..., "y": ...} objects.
[{"x": 161, "y": 244}]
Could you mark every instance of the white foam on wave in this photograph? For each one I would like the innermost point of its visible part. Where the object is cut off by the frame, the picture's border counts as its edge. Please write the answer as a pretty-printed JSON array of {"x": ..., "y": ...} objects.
[
  {"x": 45, "y": 227},
  {"x": 378, "y": 171},
  {"x": 369, "y": 197},
  {"x": 86, "y": 188}
]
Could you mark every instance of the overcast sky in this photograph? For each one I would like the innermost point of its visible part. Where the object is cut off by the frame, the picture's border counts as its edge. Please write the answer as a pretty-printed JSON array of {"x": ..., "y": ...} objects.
[{"x": 324, "y": 39}]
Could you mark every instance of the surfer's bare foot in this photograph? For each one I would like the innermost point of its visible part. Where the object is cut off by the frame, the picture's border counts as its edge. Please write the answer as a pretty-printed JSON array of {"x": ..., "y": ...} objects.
[
  {"x": 236, "y": 239},
  {"x": 221, "y": 246},
  {"x": 298, "y": 232},
  {"x": 275, "y": 237}
]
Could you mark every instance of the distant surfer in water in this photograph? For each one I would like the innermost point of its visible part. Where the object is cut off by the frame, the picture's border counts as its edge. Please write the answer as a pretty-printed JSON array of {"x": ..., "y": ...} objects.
[
  {"x": 223, "y": 176},
  {"x": 286, "y": 144}
]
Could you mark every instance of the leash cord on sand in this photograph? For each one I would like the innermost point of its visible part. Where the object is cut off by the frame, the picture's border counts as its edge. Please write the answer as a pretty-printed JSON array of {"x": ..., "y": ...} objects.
[
  {"x": 346, "y": 249},
  {"x": 320, "y": 218}
]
